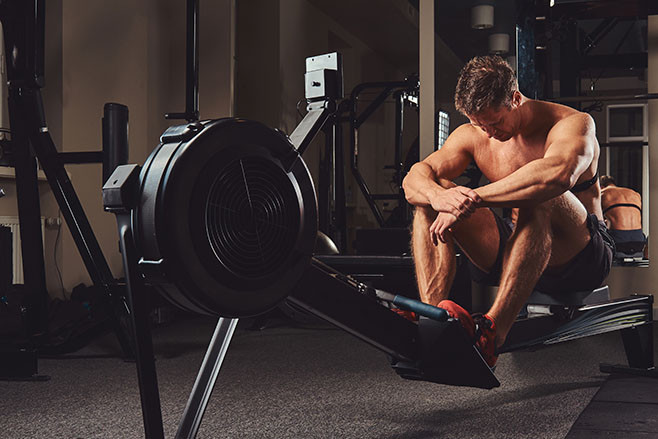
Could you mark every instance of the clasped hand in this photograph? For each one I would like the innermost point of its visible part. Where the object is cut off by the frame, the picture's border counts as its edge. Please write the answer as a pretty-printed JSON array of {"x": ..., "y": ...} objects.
[{"x": 452, "y": 205}]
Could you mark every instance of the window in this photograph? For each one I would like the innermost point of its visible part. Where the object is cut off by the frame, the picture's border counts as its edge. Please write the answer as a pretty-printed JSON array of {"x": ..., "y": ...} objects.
[{"x": 442, "y": 128}]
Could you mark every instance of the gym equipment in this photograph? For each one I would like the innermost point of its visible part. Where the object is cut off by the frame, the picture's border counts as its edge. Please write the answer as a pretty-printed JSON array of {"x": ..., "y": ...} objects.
[
  {"x": 396, "y": 273},
  {"x": 222, "y": 220},
  {"x": 191, "y": 112},
  {"x": 331, "y": 190},
  {"x": 181, "y": 215},
  {"x": 404, "y": 93},
  {"x": 23, "y": 25},
  {"x": 324, "y": 245},
  {"x": 323, "y": 84},
  {"x": 631, "y": 253},
  {"x": 246, "y": 230}
]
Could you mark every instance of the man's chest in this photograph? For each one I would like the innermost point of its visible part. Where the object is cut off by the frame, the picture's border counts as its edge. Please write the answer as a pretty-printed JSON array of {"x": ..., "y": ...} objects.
[{"x": 498, "y": 160}]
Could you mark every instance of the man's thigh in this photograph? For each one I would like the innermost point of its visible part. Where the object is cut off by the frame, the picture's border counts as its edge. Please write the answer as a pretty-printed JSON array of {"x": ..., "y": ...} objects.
[
  {"x": 569, "y": 228},
  {"x": 586, "y": 270},
  {"x": 581, "y": 253},
  {"x": 482, "y": 238}
]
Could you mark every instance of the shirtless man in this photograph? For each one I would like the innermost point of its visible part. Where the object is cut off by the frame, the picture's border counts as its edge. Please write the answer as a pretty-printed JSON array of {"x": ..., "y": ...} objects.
[
  {"x": 541, "y": 159},
  {"x": 622, "y": 210}
]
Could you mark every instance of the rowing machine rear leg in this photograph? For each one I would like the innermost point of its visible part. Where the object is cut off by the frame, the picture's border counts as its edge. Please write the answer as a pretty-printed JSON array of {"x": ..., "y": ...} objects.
[{"x": 638, "y": 344}]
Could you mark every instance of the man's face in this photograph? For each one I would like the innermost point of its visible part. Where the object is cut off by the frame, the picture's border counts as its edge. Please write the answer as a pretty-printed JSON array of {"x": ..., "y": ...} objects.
[{"x": 497, "y": 123}]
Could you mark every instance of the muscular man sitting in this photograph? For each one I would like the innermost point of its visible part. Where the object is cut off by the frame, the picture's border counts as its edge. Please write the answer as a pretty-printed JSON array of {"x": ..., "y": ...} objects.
[
  {"x": 541, "y": 159},
  {"x": 622, "y": 210}
]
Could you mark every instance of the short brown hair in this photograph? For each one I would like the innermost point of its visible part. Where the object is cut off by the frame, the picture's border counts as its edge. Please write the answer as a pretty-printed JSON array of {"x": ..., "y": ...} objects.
[
  {"x": 484, "y": 82},
  {"x": 607, "y": 180}
]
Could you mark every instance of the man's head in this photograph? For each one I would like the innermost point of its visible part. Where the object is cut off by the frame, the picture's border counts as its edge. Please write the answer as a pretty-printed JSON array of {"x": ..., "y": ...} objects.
[
  {"x": 485, "y": 82},
  {"x": 486, "y": 92},
  {"x": 607, "y": 180}
]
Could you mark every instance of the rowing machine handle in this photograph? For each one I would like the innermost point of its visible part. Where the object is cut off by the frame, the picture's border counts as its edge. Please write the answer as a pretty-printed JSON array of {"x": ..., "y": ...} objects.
[{"x": 421, "y": 308}]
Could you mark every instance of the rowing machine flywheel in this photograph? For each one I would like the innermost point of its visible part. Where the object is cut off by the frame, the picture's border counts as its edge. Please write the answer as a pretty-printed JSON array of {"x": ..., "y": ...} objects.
[{"x": 227, "y": 217}]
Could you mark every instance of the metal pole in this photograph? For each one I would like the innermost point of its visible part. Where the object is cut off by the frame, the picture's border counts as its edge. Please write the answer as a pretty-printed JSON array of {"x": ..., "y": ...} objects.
[
  {"x": 640, "y": 97},
  {"x": 205, "y": 380},
  {"x": 427, "y": 77},
  {"x": 192, "y": 64},
  {"x": 115, "y": 137},
  {"x": 146, "y": 372}
]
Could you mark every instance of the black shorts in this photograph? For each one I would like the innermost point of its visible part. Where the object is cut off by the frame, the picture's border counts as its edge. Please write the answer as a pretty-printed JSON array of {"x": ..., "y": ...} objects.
[
  {"x": 586, "y": 271},
  {"x": 629, "y": 242},
  {"x": 621, "y": 236}
]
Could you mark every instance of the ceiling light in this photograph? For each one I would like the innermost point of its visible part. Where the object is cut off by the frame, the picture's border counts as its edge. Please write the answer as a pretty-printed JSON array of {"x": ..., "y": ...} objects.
[
  {"x": 499, "y": 43},
  {"x": 482, "y": 17}
]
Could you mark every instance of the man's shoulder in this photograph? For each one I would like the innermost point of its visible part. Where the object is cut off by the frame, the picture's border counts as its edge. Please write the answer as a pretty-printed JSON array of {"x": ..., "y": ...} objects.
[
  {"x": 468, "y": 131},
  {"x": 557, "y": 113},
  {"x": 630, "y": 193},
  {"x": 574, "y": 117},
  {"x": 467, "y": 135},
  {"x": 572, "y": 123},
  {"x": 616, "y": 194}
]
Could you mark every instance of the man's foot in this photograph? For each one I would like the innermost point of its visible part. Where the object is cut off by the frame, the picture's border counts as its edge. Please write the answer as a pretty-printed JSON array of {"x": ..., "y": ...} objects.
[
  {"x": 457, "y": 312},
  {"x": 482, "y": 330},
  {"x": 486, "y": 339},
  {"x": 409, "y": 315}
]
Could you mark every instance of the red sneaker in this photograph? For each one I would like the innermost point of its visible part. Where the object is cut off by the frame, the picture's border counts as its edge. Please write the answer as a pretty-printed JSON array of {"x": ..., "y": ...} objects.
[
  {"x": 457, "y": 312},
  {"x": 486, "y": 339},
  {"x": 409, "y": 315},
  {"x": 483, "y": 334}
]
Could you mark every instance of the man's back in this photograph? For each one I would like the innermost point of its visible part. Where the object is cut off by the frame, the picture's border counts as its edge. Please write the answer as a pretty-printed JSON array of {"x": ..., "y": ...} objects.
[{"x": 622, "y": 208}]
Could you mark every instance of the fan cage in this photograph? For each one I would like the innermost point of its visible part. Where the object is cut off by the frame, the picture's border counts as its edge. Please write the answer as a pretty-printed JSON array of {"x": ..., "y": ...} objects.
[{"x": 252, "y": 217}]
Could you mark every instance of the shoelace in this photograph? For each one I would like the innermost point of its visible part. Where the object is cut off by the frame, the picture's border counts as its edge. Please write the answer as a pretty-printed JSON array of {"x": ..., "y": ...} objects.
[{"x": 482, "y": 324}]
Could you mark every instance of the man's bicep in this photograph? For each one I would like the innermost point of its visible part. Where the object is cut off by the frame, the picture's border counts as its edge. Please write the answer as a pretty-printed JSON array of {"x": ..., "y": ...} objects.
[
  {"x": 575, "y": 152},
  {"x": 448, "y": 164},
  {"x": 573, "y": 139},
  {"x": 451, "y": 160}
]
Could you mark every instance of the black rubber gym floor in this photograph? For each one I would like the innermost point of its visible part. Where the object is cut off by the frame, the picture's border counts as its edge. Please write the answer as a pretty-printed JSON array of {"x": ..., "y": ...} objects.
[
  {"x": 319, "y": 382},
  {"x": 624, "y": 407}
]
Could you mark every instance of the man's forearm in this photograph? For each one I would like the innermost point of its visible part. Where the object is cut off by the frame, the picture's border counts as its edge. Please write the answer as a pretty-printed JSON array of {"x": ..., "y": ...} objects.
[
  {"x": 420, "y": 185},
  {"x": 531, "y": 184}
]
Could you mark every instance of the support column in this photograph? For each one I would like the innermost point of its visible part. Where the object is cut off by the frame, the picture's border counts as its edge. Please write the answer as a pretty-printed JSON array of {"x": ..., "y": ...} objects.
[
  {"x": 427, "y": 77},
  {"x": 652, "y": 196}
]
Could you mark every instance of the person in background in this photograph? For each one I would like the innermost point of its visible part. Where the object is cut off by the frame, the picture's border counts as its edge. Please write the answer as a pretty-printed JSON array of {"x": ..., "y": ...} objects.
[{"x": 622, "y": 211}]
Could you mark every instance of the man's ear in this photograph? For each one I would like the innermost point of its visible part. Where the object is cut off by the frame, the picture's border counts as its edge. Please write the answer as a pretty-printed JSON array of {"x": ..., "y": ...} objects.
[{"x": 516, "y": 98}]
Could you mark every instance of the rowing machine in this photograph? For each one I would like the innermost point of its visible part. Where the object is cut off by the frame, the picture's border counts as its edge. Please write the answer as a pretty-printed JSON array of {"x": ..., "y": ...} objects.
[{"x": 222, "y": 219}]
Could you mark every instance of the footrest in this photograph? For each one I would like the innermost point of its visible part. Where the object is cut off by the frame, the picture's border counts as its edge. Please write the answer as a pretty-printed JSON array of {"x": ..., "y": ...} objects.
[
  {"x": 651, "y": 372},
  {"x": 447, "y": 356}
]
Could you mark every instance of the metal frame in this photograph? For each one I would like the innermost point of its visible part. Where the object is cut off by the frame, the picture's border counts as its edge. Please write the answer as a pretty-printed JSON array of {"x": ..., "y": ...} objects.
[
  {"x": 191, "y": 113},
  {"x": 356, "y": 119}
]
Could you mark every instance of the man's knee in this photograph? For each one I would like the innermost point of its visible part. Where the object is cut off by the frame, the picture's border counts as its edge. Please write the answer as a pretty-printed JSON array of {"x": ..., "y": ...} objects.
[
  {"x": 424, "y": 214},
  {"x": 538, "y": 215}
]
